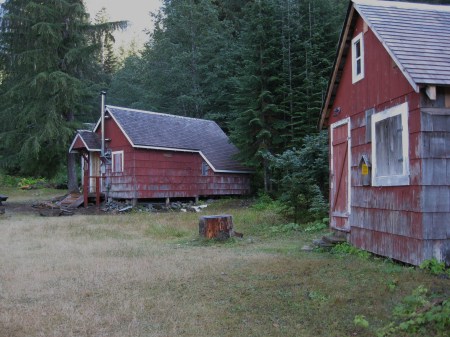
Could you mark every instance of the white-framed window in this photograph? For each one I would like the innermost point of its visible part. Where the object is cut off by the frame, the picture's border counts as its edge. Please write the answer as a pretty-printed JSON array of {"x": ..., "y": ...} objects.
[
  {"x": 117, "y": 161},
  {"x": 357, "y": 58},
  {"x": 390, "y": 147}
]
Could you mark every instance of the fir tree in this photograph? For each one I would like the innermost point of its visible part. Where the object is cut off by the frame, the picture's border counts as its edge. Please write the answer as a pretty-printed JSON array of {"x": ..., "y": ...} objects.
[{"x": 49, "y": 72}]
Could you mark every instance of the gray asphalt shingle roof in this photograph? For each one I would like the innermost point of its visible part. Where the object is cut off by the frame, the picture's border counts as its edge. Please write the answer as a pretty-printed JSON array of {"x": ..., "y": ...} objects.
[
  {"x": 416, "y": 35},
  {"x": 91, "y": 140},
  {"x": 155, "y": 130}
]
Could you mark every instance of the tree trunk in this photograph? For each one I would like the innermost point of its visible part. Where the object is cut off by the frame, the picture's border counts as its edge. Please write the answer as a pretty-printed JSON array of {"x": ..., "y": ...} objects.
[{"x": 72, "y": 181}]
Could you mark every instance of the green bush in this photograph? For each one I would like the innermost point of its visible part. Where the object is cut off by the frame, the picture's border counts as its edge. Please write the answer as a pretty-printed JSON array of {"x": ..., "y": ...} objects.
[
  {"x": 9, "y": 181},
  {"x": 419, "y": 314},
  {"x": 23, "y": 182},
  {"x": 265, "y": 202},
  {"x": 317, "y": 226},
  {"x": 434, "y": 267}
]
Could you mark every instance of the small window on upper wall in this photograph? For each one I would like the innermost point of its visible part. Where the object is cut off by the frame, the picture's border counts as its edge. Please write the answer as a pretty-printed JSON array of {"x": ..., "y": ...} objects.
[
  {"x": 117, "y": 161},
  {"x": 357, "y": 58},
  {"x": 205, "y": 169},
  {"x": 390, "y": 147}
]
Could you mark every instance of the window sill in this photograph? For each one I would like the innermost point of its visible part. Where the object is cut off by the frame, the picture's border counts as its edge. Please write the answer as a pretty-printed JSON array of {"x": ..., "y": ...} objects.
[{"x": 401, "y": 180}]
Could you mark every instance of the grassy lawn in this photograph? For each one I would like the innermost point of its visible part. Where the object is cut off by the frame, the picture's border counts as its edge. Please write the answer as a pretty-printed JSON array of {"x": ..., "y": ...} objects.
[{"x": 150, "y": 275}]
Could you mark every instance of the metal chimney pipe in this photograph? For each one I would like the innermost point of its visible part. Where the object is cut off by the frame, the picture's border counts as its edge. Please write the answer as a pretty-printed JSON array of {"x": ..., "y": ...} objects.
[{"x": 103, "y": 95}]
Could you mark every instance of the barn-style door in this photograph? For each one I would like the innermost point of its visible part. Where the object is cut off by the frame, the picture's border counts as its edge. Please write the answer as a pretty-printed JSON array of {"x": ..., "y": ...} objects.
[{"x": 340, "y": 174}]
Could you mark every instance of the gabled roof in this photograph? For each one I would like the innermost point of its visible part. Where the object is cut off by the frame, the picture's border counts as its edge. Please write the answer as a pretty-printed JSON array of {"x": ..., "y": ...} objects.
[
  {"x": 416, "y": 36},
  {"x": 152, "y": 130},
  {"x": 89, "y": 139}
]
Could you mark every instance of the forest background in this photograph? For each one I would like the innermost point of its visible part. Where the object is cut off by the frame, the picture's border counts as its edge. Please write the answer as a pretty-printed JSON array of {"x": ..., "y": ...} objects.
[{"x": 259, "y": 68}]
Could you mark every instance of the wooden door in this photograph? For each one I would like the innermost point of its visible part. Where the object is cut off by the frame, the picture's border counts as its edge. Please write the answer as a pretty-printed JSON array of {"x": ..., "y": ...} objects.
[{"x": 340, "y": 174}]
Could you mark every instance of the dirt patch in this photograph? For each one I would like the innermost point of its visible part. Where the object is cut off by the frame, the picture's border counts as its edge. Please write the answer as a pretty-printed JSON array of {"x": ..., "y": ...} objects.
[{"x": 16, "y": 208}]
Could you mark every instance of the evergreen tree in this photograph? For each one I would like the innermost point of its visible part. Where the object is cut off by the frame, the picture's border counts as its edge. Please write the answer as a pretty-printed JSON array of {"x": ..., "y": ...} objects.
[
  {"x": 260, "y": 123},
  {"x": 104, "y": 38},
  {"x": 182, "y": 57},
  {"x": 258, "y": 67},
  {"x": 50, "y": 70}
]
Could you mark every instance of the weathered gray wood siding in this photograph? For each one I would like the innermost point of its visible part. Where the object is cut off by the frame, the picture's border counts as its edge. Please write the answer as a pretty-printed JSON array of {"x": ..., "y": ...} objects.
[
  {"x": 388, "y": 220},
  {"x": 435, "y": 195}
]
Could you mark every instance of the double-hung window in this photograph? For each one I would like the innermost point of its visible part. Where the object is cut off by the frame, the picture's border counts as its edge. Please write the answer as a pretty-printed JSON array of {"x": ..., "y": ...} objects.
[
  {"x": 357, "y": 58},
  {"x": 390, "y": 147}
]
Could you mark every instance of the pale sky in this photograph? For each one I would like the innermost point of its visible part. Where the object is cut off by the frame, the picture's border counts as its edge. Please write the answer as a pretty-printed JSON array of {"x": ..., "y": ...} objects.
[{"x": 135, "y": 11}]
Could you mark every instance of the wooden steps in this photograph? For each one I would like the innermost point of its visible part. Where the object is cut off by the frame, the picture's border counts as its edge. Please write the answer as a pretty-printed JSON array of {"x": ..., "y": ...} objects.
[{"x": 73, "y": 200}]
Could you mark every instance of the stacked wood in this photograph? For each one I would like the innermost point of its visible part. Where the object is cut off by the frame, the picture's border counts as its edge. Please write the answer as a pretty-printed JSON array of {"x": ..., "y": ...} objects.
[{"x": 216, "y": 227}]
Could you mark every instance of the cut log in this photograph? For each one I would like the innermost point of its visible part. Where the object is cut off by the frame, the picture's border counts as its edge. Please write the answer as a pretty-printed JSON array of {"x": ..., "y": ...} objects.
[{"x": 216, "y": 226}]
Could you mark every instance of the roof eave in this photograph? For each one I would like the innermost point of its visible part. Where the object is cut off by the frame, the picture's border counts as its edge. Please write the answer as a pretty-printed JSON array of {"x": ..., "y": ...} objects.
[
  {"x": 405, "y": 73},
  {"x": 71, "y": 150},
  {"x": 340, "y": 59},
  {"x": 337, "y": 63},
  {"x": 162, "y": 148}
]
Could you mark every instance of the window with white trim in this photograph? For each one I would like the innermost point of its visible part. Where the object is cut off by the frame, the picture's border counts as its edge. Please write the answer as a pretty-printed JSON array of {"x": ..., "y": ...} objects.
[
  {"x": 117, "y": 161},
  {"x": 357, "y": 58},
  {"x": 390, "y": 147}
]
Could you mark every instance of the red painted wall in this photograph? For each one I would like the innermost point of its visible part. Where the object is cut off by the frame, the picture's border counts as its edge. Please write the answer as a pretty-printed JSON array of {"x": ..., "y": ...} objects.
[
  {"x": 383, "y": 220},
  {"x": 161, "y": 174}
]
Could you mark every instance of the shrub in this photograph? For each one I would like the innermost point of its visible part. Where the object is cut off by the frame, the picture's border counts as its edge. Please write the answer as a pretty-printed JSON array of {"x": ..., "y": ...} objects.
[
  {"x": 302, "y": 178},
  {"x": 419, "y": 314},
  {"x": 434, "y": 267}
]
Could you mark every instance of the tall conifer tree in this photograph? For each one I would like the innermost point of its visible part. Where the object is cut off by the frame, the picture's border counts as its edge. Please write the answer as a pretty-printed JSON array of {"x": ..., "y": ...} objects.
[{"x": 49, "y": 72}]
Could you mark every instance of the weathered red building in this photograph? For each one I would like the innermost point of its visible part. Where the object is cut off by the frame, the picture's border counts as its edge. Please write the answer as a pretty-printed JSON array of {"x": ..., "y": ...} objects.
[
  {"x": 388, "y": 112},
  {"x": 151, "y": 155}
]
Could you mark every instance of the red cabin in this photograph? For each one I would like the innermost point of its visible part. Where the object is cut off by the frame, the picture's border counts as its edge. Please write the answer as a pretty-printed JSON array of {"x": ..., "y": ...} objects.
[
  {"x": 150, "y": 155},
  {"x": 388, "y": 112}
]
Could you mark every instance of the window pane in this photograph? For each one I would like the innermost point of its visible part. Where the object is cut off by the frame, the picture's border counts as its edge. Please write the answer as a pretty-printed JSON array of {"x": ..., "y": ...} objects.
[
  {"x": 358, "y": 49},
  {"x": 117, "y": 162},
  {"x": 389, "y": 146},
  {"x": 358, "y": 67}
]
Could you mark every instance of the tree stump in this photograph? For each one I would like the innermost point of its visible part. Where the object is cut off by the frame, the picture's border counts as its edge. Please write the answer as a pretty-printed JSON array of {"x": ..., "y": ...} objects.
[
  {"x": 3, "y": 198},
  {"x": 216, "y": 226}
]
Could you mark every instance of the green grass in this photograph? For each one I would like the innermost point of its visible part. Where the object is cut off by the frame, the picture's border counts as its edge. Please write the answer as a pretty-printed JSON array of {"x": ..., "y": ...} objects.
[
  {"x": 151, "y": 275},
  {"x": 18, "y": 195}
]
